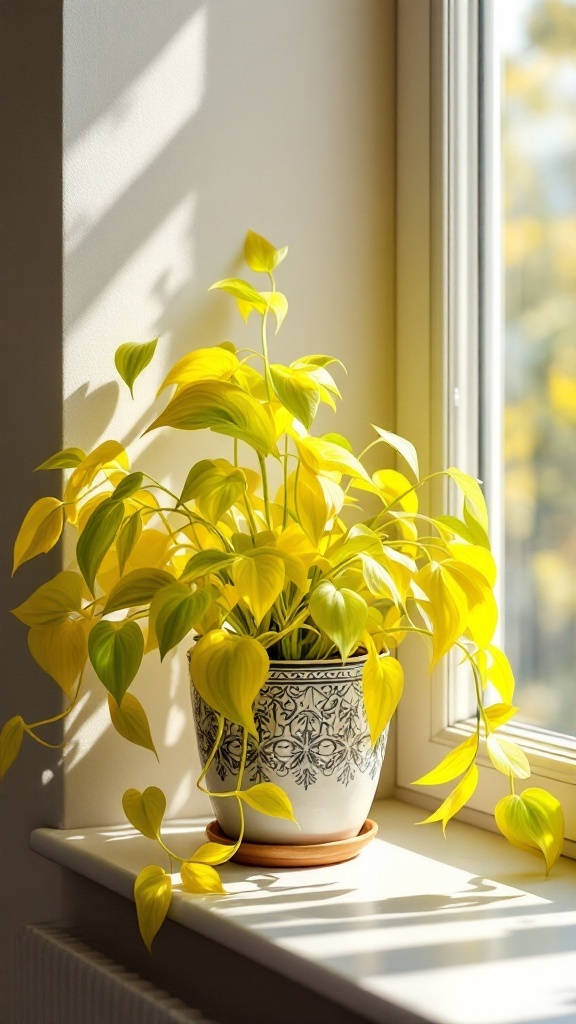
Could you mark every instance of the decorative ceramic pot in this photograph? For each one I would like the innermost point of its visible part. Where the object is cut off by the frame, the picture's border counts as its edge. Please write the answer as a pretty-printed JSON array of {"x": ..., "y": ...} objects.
[{"x": 313, "y": 741}]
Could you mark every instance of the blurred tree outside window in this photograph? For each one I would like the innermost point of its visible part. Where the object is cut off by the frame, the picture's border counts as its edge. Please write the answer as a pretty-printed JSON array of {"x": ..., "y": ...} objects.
[{"x": 538, "y": 39}]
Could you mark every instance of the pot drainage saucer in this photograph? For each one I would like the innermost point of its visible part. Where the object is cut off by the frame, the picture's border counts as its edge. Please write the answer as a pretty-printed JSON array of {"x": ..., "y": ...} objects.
[{"x": 271, "y": 855}]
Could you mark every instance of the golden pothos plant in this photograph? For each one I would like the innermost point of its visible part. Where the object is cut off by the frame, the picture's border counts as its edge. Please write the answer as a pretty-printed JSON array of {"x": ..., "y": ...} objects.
[{"x": 257, "y": 569}]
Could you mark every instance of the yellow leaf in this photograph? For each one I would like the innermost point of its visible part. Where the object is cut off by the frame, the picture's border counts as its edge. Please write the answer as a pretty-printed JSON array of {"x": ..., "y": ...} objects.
[
  {"x": 40, "y": 530},
  {"x": 297, "y": 392},
  {"x": 51, "y": 604},
  {"x": 110, "y": 453},
  {"x": 341, "y": 614},
  {"x": 533, "y": 821},
  {"x": 456, "y": 800},
  {"x": 269, "y": 799},
  {"x": 325, "y": 456},
  {"x": 448, "y": 608},
  {"x": 152, "y": 894},
  {"x": 61, "y": 650},
  {"x": 259, "y": 577},
  {"x": 260, "y": 255},
  {"x": 202, "y": 364},
  {"x": 499, "y": 714},
  {"x": 10, "y": 743},
  {"x": 482, "y": 616},
  {"x": 67, "y": 458},
  {"x": 500, "y": 674},
  {"x": 200, "y": 878},
  {"x": 215, "y": 485},
  {"x": 130, "y": 721},
  {"x": 382, "y": 685},
  {"x": 480, "y": 558},
  {"x": 278, "y": 303},
  {"x": 405, "y": 448},
  {"x": 473, "y": 496},
  {"x": 507, "y": 757},
  {"x": 228, "y": 672},
  {"x": 145, "y": 810},
  {"x": 456, "y": 761},
  {"x": 137, "y": 588},
  {"x": 212, "y": 853},
  {"x": 295, "y": 542},
  {"x": 224, "y": 408}
]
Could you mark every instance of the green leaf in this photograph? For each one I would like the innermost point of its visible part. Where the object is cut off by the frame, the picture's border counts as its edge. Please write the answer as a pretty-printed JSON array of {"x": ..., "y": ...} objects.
[
  {"x": 405, "y": 448},
  {"x": 127, "y": 539},
  {"x": 456, "y": 800},
  {"x": 204, "y": 562},
  {"x": 296, "y": 391},
  {"x": 382, "y": 685},
  {"x": 68, "y": 458},
  {"x": 174, "y": 611},
  {"x": 10, "y": 743},
  {"x": 130, "y": 359},
  {"x": 136, "y": 588},
  {"x": 224, "y": 408},
  {"x": 508, "y": 757},
  {"x": 130, "y": 721},
  {"x": 341, "y": 614},
  {"x": 116, "y": 651},
  {"x": 97, "y": 538},
  {"x": 267, "y": 798},
  {"x": 53, "y": 602},
  {"x": 40, "y": 530},
  {"x": 259, "y": 576},
  {"x": 533, "y": 821},
  {"x": 260, "y": 255},
  {"x": 228, "y": 672},
  {"x": 215, "y": 485},
  {"x": 152, "y": 894},
  {"x": 218, "y": 363},
  {"x": 127, "y": 487},
  {"x": 145, "y": 811},
  {"x": 200, "y": 878},
  {"x": 454, "y": 764}
]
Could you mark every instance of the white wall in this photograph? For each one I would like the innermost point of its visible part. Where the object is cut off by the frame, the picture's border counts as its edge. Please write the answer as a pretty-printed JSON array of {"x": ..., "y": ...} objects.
[{"x": 185, "y": 123}]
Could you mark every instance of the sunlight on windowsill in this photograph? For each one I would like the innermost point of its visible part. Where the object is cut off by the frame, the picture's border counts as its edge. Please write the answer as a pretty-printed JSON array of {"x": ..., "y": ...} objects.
[{"x": 466, "y": 925}]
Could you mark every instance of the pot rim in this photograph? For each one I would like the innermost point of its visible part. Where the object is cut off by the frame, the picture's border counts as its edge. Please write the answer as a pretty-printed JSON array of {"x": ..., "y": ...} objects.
[{"x": 356, "y": 659}]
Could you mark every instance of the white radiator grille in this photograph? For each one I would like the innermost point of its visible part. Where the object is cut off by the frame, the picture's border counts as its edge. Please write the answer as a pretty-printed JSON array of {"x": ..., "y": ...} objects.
[{"x": 61, "y": 980}]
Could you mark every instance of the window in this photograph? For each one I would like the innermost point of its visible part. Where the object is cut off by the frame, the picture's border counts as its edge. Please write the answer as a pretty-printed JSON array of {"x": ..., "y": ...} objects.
[{"x": 451, "y": 160}]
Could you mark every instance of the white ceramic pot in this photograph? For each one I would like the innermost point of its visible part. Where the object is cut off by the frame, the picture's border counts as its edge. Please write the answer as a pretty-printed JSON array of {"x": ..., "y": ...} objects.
[{"x": 313, "y": 742}]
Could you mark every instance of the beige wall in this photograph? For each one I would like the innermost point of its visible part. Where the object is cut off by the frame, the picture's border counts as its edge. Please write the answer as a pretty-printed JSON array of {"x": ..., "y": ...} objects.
[{"x": 184, "y": 124}]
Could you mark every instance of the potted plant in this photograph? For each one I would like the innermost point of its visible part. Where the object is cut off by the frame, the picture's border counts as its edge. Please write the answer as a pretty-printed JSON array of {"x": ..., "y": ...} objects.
[{"x": 295, "y": 598}]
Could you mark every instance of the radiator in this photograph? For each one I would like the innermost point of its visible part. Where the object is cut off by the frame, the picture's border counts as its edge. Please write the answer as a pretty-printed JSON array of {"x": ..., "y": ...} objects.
[{"x": 61, "y": 980}]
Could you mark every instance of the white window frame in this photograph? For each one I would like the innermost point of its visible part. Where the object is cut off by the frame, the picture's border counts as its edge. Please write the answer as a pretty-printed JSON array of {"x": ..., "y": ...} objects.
[{"x": 448, "y": 217}]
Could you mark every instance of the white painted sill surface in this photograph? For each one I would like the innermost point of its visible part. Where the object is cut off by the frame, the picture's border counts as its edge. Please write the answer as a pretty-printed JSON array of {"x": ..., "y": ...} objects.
[{"x": 462, "y": 930}]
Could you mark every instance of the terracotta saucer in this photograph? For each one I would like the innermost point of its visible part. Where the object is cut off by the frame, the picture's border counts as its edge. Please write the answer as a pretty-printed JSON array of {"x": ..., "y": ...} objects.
[{"x": 292, "y": 856}]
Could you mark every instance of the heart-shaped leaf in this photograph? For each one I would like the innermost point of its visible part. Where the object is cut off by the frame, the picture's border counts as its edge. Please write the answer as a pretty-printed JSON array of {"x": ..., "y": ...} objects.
[
  {"x": 534, "y": 821},
  {"x": 174, "y": 611},
  {"x": 382, "y": 685},
  {"x": 116, "y": 651},
  {"x": 145, "y": 811},
  {"x": 202, "y": 364},
  {"x": 61, "y": 650},
  {"x": 136, "y": 588},
  {"x": 259, "y": 577},
  {"x": 341, "y": 614},
  {"x": 152, "y": 894},
  {"x": 260, "y": 255},
  {"x": 228, "y": 672}
]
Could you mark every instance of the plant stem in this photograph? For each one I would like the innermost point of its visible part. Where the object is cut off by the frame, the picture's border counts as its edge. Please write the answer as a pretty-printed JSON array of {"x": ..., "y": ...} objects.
[
  {"x": 264, "y": 475},
  {"x": 285, "y": 478}
]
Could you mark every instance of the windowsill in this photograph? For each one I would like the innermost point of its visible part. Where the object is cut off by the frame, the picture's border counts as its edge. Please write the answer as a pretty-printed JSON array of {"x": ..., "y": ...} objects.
[{"x": 460, "y": 931}]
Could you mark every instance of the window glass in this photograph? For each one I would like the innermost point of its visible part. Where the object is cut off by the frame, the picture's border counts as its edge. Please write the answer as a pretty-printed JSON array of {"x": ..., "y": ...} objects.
[{"x": 538, "y": 39}]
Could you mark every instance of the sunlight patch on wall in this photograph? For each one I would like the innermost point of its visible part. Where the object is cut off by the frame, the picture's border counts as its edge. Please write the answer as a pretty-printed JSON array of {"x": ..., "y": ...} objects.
[{"x": 112, "y": 153}]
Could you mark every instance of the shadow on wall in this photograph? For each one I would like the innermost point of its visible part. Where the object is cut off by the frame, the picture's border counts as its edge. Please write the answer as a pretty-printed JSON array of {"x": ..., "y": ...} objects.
[{"x": 184, "y": 126}]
